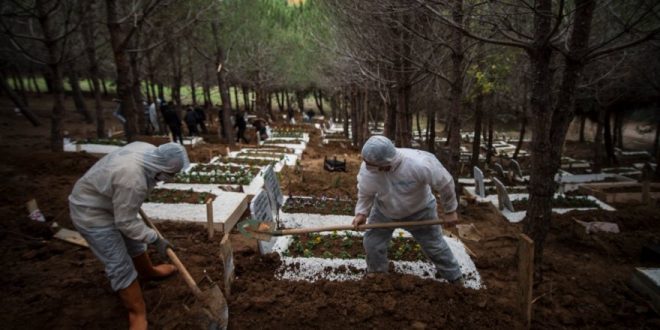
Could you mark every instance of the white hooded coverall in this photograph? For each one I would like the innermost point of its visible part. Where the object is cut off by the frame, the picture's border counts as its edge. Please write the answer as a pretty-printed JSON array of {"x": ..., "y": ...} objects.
[
  {"x": 104, "y": 204},
  {"x": 404, "y": 194}
]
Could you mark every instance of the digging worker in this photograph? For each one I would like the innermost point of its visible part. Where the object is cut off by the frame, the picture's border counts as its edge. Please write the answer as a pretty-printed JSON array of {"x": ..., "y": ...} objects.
[
  {"x": 394, "y": 184},
  {"x": 104, "y": 206}
]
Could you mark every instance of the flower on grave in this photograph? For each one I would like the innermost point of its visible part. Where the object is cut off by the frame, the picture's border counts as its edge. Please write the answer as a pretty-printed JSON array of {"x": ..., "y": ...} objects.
[{"x": 401, "y": 234}]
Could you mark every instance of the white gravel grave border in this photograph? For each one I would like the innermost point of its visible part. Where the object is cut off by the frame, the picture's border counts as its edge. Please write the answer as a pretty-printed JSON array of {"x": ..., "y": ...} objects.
[
  {"x": 277, "y": 166},
  {"x": 335, "y": 269},
  {"x": 296, "y": 146},
  {"x": 71, "y": 146},
  {"x": 289, "y": 159},
  {"x": 224, "y": 206},
  {"x": 520, "y": 215}
]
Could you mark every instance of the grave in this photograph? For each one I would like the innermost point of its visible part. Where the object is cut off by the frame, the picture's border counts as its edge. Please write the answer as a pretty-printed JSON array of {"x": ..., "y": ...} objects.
[
  {"x": 92, "y": 148},
  {"x": 620, "y": 192},
  {"x": 502, "y": 196},
  {"x": 226, "y": 209}
]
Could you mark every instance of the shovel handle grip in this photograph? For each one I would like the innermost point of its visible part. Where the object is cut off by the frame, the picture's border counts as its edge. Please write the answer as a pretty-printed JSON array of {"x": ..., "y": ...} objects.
[
  {"x": 175, "y": 259},
  {"x": 296, "y": 231}
]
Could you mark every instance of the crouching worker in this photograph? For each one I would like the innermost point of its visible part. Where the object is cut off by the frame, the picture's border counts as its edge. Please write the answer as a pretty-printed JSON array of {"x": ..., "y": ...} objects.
[
  {"x": 394, "y": 184},
  {"x": 104, "y": 206}
]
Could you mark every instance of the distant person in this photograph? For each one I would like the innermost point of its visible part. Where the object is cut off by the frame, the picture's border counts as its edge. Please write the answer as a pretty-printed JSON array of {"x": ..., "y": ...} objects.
[
  {"x": 201, "y": 119},
  {"x": 172, "y": 120},
  {"x": 153, "y": 118},
  {"x": 104, "y": 207},
  {"x": 240, "y": 126},
  {"x": 290, "y": 115},
  {"x": 191, "y": 121},
  {"x": 310, "y": 114},
  {"x": 260, "y": 126}
]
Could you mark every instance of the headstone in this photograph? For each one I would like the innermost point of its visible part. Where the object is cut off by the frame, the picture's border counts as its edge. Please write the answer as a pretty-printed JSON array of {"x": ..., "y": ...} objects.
[
  {"x": 272, "y": 187},
  {"x": 515, "y": 166},
  {"x": 479, "y": 182},
  {"x": 260, "y": 209},
  {"x": 502, "y": 196},
  {"x": 499, "y": 170}
]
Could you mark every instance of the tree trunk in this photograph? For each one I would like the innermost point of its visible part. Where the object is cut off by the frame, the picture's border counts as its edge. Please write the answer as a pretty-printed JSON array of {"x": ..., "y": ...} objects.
[
  {"x": 54, "y": 73},
  {"x": 430, "y": 117},
  {"x": 35, "y": 84},
  {"x": 279, "y": 97},
  {"x": 78, "y": 99},
  {"x": 4, "y": 87},
  {"x": 191, "y": 75},
  {"x": 656, "y": 144},
  {"x": 390, "y": 118},
  {"x": 319, "y": 101},
  {"x": 288, "y": 100},
  {"x": 583, "y": 120},
  {"x": 550, "y": 123},
  {"x": 123, "y": 70},
  {"x": 598, "y": 141},
  {"x": 223, "y": 88},
  {"x": 88, "y": 13},
  {"x": 345, "y": 111},
  {"x": 136, "y": 91},
  {"x": 607, "y": 137},
  {"x": 476, "y": 140},
  {"x": 20, "y": 87},
  {"x": 521, "y": 136},
  {"x": 456, "y": 93},
  {"x": 619, "y": 128},
  {"x": 354, "y": 116},
  {"x": 105, "y": 88},
  {"x": 246, "y": 98},
  {"x": 300, "y": 99},
  {"x": 419, "y": 127}
]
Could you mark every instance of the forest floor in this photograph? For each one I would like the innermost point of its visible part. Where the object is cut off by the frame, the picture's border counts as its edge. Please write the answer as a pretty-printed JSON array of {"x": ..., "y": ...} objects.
[{"x": 48, "y": 283}]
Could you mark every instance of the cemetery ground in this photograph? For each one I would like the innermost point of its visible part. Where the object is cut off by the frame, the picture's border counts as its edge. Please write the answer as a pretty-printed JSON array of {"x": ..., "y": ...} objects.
[{"x": 48, "y": 283}]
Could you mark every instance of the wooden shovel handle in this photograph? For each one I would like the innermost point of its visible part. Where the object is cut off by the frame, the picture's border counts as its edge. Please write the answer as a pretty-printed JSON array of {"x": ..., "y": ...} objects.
[
  {"x": 175, "y": 260},
  {"x": 295, "y": 231}
]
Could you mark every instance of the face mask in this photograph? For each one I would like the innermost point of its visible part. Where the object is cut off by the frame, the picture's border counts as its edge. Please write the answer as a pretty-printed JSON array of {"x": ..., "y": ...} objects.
[{"x": 163, "y": 176}]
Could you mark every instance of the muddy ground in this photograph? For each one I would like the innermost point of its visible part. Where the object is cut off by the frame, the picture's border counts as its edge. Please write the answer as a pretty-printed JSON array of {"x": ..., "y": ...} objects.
[{"x": 52, "y": 284}]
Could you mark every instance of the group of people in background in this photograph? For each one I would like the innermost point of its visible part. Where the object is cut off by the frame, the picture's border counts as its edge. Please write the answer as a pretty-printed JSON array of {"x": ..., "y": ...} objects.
[{"x": 195, "y": 119}]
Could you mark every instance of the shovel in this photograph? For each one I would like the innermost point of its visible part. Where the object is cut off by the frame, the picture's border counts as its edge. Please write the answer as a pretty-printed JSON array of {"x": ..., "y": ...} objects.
[
  {"x": 265, "y": 231},
  {"x": 215, "y": 303}
]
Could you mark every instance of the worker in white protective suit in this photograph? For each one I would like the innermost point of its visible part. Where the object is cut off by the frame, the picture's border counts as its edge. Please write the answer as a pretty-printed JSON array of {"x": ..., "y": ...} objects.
[
  {"x": 104, "y": 205},
  {"x": 394, "y": 184}
]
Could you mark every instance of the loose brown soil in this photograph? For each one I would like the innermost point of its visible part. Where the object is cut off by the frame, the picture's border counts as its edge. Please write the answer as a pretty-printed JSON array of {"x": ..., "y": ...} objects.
[
  {"x": 319, "y": 206},
  {"x": 567, "y": 202},
  {"x": 51, "y": 284},
  {"x": 629, "y": 189},
  {"x": 350, "y": 247}
]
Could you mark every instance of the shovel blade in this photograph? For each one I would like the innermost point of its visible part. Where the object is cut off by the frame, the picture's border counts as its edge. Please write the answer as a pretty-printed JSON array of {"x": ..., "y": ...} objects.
[
  {"x": 255, "y": 229},
  {"x": 216, "y": 308}
]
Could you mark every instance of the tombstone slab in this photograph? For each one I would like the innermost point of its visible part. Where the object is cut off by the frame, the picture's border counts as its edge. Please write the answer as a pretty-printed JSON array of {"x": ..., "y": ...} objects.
[
  {"x": 503, "y": 196},
  {"x": 479, "y": 182}
]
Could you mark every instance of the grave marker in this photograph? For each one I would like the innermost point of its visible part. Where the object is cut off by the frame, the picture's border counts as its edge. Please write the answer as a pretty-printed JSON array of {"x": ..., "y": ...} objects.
[
  {"x": 502, "y": 196},
  {"x": 260, "y": 209},
  {"x": 499, "y": 170},
  {"x": 479, "y": 182},
  {"x": 516, "y": 168},
  {"x": 272, "y": 188}
]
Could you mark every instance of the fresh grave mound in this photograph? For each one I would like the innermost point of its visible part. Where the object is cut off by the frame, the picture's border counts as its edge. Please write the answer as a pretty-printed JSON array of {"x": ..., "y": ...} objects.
[
  {"x": 170, "y": 196},
  {"x": 245, "y": 161},
  {"x": 630, "y": 189},
  {"x": 349, "y": 246},
  {"x": 280, "y": 141},
  {"x": 491, "y": 190},
  {"x": 241, "y": 175},
  {"x": 262, "y": 154},
  {"x": 319, "y": 205},
  {"x": 111, "y": 142},
  {"x": 386, "y": 301},
  {"x": 224, "y": 168},
  {"x": 559, "y": 202}
]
